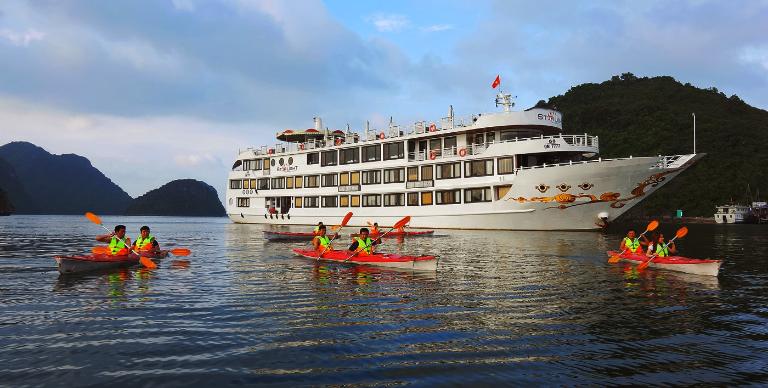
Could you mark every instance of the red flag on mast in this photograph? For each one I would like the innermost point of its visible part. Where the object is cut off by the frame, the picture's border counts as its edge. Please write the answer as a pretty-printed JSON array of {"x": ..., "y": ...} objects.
[{"x": 496, "y": 82}]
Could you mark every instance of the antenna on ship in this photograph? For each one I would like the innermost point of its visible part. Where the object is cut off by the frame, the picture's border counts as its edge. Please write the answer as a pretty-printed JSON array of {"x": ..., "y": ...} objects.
[{"x": 505, "y": 100}]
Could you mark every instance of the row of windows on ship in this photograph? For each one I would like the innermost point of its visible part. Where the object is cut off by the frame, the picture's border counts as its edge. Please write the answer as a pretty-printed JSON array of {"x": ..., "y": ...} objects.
[
  {"x": 422, "y": 198},
  {"x": 425, "y": 173}
]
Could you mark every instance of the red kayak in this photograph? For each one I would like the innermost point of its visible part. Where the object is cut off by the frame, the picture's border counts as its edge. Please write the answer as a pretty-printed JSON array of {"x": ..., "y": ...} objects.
[
  {"x": 85, "y": 263},
  {"x": 394, "y": 233},
  {"x": 674, "y": 263},
  {"x": 287, "y": 236},
  {"x": 421, "y": 263}
]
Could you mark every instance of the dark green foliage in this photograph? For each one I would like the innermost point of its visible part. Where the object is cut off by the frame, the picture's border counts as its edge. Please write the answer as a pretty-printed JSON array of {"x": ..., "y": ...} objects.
[
  {"x": 183, "y": 197},
  {"x": 652, "y": 116}
]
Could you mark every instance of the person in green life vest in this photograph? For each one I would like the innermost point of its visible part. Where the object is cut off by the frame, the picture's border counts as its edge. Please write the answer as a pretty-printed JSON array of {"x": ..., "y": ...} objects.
[
  {"x": 118, "y": 243},
  {"x": 321, "y": 242},
  {"x": 632, "y": 244},
  {"x": 362, "y": 245},
  {"x": 657, "y": 248},
  {"x": 146, "y": 242}
]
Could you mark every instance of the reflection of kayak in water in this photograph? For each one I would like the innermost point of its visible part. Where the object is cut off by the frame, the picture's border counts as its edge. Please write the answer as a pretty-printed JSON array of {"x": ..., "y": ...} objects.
[
  {"x": 288, "y": 236},
  {"x": 85, "y": 263},
  {"x": 674, "y": 263},
  {"x": 423, "y": 233},
  {"x": 422, "y": 263}
]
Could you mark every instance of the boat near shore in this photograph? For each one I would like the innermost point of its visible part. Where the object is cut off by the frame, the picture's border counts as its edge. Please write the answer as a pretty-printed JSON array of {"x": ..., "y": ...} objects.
[{"x": 508, "y": 170}]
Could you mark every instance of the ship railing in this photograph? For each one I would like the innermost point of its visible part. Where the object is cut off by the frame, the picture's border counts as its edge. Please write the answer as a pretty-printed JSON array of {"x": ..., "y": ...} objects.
[
  {"x": 433, "y": 154},
  {"x": 664, "y": 162},
  {"x": 667, "y": 161}
]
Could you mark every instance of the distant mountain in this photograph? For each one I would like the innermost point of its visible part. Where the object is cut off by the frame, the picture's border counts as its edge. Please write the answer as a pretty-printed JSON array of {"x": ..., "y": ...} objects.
[
  {"x": 652, "y": 116},
  {"x": 183, "y": 197},
  {"x": 61, "y": 184},
  {"x": 6, "y": 207},
  {"x": 12, "y": 194}
]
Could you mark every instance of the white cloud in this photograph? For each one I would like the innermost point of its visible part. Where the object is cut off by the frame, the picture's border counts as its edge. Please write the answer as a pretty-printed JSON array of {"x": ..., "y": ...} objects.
[
  {"x": 755, "y": 55},
  {"x": 438, "y": 28},
  {"x": 389, "y": 22},
  {"x": 195, "y": 160},
  {"x": 22, "y": 39}
]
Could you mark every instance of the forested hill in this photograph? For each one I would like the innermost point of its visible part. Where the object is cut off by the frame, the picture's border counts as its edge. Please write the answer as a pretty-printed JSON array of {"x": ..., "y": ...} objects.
[{"x": 652, "y": 116}]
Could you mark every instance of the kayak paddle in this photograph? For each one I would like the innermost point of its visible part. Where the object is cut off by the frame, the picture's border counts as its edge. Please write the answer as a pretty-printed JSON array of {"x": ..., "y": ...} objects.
[
  {"x": 102, "y": 250},
  {"x": 145, "y": 261},
  {"x": 399, "y": 224},
  {"x": 343, "y": 224},
  {"x": 680, "y": 234},
  {"x": 651, "y": 227}
]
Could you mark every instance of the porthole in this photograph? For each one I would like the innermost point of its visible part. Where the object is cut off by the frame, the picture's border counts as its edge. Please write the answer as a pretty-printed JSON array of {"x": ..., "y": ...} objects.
[
  {"x": 290, "y": 160},
  {"x": 281, "y": 161},
  {"x": 272, "y": 162}
]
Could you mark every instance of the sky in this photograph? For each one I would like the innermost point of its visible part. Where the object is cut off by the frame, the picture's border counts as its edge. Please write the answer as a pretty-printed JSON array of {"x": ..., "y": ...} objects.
[{"x": 156, "y": 90}]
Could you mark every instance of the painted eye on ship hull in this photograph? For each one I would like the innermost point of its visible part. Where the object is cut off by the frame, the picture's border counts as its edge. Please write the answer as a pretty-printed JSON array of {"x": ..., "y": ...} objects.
[
  {"x": 542, "y": 187},
  {"x": 586, "y": 186},
  {"x": 563, "y": 187}
]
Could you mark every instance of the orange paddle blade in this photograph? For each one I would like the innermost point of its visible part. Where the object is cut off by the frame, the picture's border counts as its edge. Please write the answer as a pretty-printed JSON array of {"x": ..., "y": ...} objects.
[
  {"x": 653, "y": 225},
  {"x": 346, "y": 219},
  {"x": 147, "y": 262},
  {"x": 100, "y": 250},
  {"x": 180, "y": 251},
  {"x": 402, "y": 222},
  {"x": 644, "y": 265},
  {"x": 681, "y": 232},
  {"x": 94, "y": 218},
  {"x": 614, "y": 259}
]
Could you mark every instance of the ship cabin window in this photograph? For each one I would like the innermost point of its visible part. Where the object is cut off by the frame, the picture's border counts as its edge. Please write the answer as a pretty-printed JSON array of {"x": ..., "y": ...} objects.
[
  {"x": 354, "y": 178},
  {"x": 394, "y": 199},
  {"x": 251, "y": 164},
  {"x": 449, "y": 170},
  {"x": 329, "y": 158},
  {"x": 450, "y": 143},
  {"x": 413, "y": 174},
  {"x": 371, "y": 200},
  {"x": 371, "y": 153},
  {"x": 482, "y": 194},
  {"x": 331, "y": 201},
  {"x": 349, "y": 156},
  {"x": 297, "y": 202},
  {"x": 237, "y": 166},
  {"x": 235, "y": 184},
  {"x": 263, "y": 184},
  {"x": 297, "y": 182},
  {"x": 343, "y": 179},
  {"x": 501, "y": 191},
  {"x": 243, "y": 202},
  {"x": 372, "y": 177},
  {"x": 490, "y": 137},
  {"x": 354, "y": 200},
  {"x": 413, "y": 199},
  {"x": 245, "y": 184},
  {"x": 313, "y": 158},
  {"x": 426, "y": 173},
  {"x": 426, "y": 198},
  {"x": 394, "y": 150},
  {"x": 344, "y": 201},
  {"x": 447, "y": 197},
  {"x": 506, "y": 165},
  {"x": 312, "y": 181},
  {"x": 329, "y": 180},
  {"x": 478, "y": 168},
  {"x": 278, "y": 183},
  {"x": 394, "y": 175},
  {"x": 254, "y": 184},
  {"x": 435, "y": 145},
  {"x": 311, "y": 202},
  {"x": 289, "y": 182}
]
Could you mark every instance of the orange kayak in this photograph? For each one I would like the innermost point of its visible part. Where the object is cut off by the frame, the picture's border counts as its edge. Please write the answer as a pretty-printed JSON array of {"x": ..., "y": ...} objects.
[
  {"x": 422, "y": 263},
  {"x": 674, "y": 263}
]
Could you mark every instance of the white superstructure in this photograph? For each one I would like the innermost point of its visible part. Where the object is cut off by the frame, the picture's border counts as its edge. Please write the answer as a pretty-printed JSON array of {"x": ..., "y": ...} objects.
[
  {"x": 503, "y": 170},
  {"x": 733, "y": 214}
]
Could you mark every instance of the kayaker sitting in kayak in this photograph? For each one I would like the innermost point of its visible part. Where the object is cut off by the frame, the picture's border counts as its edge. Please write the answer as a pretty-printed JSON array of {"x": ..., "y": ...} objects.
[
  {"x": 317, "y": 228},
  {"x": 362, "y": 245},
  {"x": 117, "y": 241},
  {"x": 146, "y": 242},
  {"x": 321, "y": 242},
  {"x": 632, "y": 244},
  {"x": 375, "y": 229},
  {"x": 657, "y": 248}
]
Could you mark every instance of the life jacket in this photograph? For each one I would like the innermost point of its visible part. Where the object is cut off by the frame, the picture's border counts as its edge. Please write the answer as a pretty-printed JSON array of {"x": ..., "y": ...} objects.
[
  {"x": 662, "y": 250},
  {"x": 117, "y": 247},
  {"x": 325, "y": 243},
  {"x": 317, "y": 230},
  {"x": 364, "y": 248},
  {"x": 633, "y": 246},
  {"x": 375, "y": 231},
  {"x": 144, "y": 244}
]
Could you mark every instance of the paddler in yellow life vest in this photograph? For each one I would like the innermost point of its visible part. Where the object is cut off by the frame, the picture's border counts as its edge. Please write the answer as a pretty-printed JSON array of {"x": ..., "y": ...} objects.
[
  {"x": 146, "y": 242},
  {"x": 632, "y": 244},
  {"x": 657, "y": 248},
  {"x": 321, "y": 242},
  {"x": 118, "y": 243},
  {"x": 362, "y": 244}
]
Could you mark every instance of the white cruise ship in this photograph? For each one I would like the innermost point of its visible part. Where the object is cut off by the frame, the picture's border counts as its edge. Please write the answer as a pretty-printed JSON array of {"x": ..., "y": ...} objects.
[{"x": 512, "y": 170}]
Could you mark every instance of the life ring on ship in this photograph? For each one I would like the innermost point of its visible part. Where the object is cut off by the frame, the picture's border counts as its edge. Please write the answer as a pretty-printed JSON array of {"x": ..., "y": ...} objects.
[
  {"x": 432, "y": 155},
  {"x": 432, "y": 127},
  {"x": 338, "y": 141},
  {"x": 382, "y": 136},
  {"x": 462, "y": 152},
  {"x": 301, "y": 146},
  {"x": 270, "y": 151}
]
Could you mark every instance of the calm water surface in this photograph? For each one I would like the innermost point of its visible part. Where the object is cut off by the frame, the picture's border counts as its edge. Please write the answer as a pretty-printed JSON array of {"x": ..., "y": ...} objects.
[{"x": 503, "y": 308}]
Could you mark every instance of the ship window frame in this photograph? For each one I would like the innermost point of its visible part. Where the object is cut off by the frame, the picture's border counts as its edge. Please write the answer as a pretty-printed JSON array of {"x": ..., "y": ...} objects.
[
  {"x": 440, "y": 199},
  {"x": 281, "y": 183},
  {"x": 469, "y": 165},
  {"x": 263, "y": 184},
  {"x": 354, "y": 201},
  {"x": 399, "y": 152},
  {"x": 456, "y": 170},
  {"x": 394, "y": 175},
  {"x": 343, "y": 201},
  {"x": 504, "y": 172},
  {"x": 314, "y": 202},
  {"x": 313, "y": 158},
  {"x": 333, "y": 177},
  {"x": 343, "y": 155},
  {"x": 326, "y": 198},
  {"x": 364, "y": 175},
  {"x": 410, "y": 196},
  {"x": 298, "y": 202},
  {"x": 365, "y": 197},
  {"x": 426, "y": 194},
  {"x": 487, "y": 195},
  {"x": 235, "y": 184},
  {"x": 315, "y": 178},
  {"x": 289, "y": 182},
  {"x": 412, "y": 173},
  {"x": 243, "y": 202},
  {"x": 329, "y": 158},
  {"x": 399, "y": 199},
  {"x": 366, "y": 156}
]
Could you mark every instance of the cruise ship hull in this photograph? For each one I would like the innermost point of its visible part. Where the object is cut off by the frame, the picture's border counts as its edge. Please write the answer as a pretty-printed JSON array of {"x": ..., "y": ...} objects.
[{"x": 577, "y": 196}]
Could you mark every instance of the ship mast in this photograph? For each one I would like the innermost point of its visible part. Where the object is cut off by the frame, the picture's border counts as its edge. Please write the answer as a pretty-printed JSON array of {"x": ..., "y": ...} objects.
[{"x": 505, "y": 100}]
